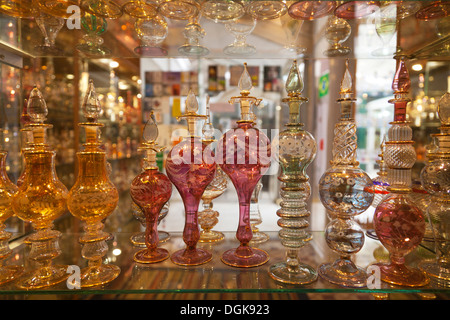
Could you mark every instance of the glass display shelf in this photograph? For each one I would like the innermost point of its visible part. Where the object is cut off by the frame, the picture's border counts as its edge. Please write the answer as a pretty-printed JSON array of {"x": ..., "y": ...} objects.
[{"x": 213, "y": 277}]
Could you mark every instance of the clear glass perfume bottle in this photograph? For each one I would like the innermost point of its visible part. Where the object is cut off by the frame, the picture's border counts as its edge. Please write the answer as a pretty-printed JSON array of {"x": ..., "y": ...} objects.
[
  {"x": 297, "y": 149},
  {"x": 193, "y": 32},
  {"x": 151, "y": 190},
  {"x": 191, "y": 166},
  {"x": 343, "y": 190},
  {"x": 398, "y": 221},
  {"x": 208, "y": 217},
  {"x": 244, "y": 155},
  {"x": 435, "y": 177},
  {"x": 93, "y": 197},
  {"x": 7, "y": 190},
  {"x": 41, "y": 199}
]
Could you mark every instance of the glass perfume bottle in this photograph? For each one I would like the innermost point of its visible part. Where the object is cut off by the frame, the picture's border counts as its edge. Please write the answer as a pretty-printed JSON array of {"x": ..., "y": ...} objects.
[
  {"x": 140, "y": 9},
  {"x": 93, "y": 197},
  {"x": 222, "y": 10},
  {"x": 151, "y": 190},
  {"x": 343, "y": 190},
  {"x": 380, "y": 182},
  {"x": 179, "y": 9},
  {"x": 138, "y": 239},
  {"x": 297, "y": 149},
  {"x": 50, "y": 26},
  {"x": 356, "y": 9},
  {"x": 311, "y": 10},
  {"x": 337, "y": 32},
  {"x": 398, "y": 221},
  {"x": 244, "y": 154},
  {"x": 152, "y": 32},
  {"x": 208, "y": 217},
  {"x": 193, "y": 32},
  {"x": 91, "y": 43},
  {"x": 240, "y": 28},
  {"x": 7, "y": 190},
  {"x": 255, "y": 216},
  {"x": 435, "y": 177},
  {"x": 266, "y": 10},
  {"x": 191, "y": 166},
  {"x": 41, "y": 199}
]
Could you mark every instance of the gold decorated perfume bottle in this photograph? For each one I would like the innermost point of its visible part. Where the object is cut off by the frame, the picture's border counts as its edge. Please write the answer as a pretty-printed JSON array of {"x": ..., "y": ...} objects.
[
  {"x": 93, "y": 197},
  {"x": 7, "y": 190},
  {"x": 41, "y": 199}
]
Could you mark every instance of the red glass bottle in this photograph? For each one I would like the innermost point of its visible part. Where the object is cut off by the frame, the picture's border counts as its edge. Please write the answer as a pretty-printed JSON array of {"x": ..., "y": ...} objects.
[
  {"x": 398, "y": 221},
  {"x": 191, "y": 166},
  {"x": 151, "y": 190},
  {"x": 244, "y": 155}
]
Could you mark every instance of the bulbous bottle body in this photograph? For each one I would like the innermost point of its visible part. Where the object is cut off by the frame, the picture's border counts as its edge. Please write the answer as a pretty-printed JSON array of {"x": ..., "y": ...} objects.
[
  {"x": 7, "y": 190},
  {"x": 42, "y": 197},
  {"x": 93, "y": 197}
]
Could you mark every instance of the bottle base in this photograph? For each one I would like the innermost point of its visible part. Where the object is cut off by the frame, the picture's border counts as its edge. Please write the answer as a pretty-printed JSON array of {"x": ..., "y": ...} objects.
[
  {"x": 305, "y": 274},
  {"x": 245, "y": 257},
  {"x": 192, "y": 257},
  {"x": 147, "y": 256}
]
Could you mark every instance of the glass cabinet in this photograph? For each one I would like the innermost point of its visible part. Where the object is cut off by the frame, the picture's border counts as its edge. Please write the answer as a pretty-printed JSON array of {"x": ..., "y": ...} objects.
[{"x": 143, "y": 63}]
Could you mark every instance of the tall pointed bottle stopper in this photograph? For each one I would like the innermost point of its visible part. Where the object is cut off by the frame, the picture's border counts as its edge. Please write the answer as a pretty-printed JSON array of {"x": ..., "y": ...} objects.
[
  {"x": 7, "y": 190},
  {"x": 398, "y": 221},
  {"x": 191, "y": 166},
  {"x": 343, "y": 190},
  {"x": 244, "y": 154},
  {"x": 297, "y": 149},
  {"x": 93, "y": 197},
  {"x": 435, "y": 177},
  {"x": 208, "y": 217},
  {"x": 151, "y": 190},
  {"x": 41, "y": 199}
]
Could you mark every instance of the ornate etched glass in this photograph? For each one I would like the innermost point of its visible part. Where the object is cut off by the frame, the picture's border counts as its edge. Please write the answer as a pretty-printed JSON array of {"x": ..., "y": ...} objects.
[
  {"x": 436, "y": 181},
  {"x": 151, "y": 190},
  {"x": 398, "y": 221},
  {"x": 41, "y": 199},
  {"x": 191, "y": 166},
  {"x": 343, "y": 190},
  {"x": 244, "y": 155},
  {"x": 93, "y": 197},
  {"x": 297, "y": 149}
]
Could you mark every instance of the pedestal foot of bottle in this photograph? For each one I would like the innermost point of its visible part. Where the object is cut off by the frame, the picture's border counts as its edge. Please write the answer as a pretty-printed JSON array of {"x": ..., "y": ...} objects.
[
  {"x": 44, "y": 277},
  {"x": 9, "y": 273},
  {"x": 138, "y": 239},
  {"x": 343, "y": 273},
  {"x": 211, "y": 236},
  {"x": 98, "y": 275},
  {"x": 151, "y": 256},
  {"x": 302, "y": 274},
  {"x": 401, "y": 275},
  {"x": 191, "y": 257},
  {"x": 245, "y": 257},
  {"x": 259, "y": 237},
  {"x": 436, "y": 272}
]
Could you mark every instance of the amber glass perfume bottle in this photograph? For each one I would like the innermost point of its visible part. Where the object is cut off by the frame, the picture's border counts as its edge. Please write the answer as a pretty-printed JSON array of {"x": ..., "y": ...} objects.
[
  {"x": 297, "y": 149},
  {"x": 7, "y": 190},
  {"x": 244, "y": 155},
  {"x": 41, "y": 199},
  {"x": 343, "y": 190},
  {"x": 191, "y": 166},
  {"x": 93, "y": 197},
  {"x": 151, "y": 190},
  {"x": 398, "y": 221}
]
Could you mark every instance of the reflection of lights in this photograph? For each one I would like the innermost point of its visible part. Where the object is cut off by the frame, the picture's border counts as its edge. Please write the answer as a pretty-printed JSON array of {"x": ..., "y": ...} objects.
[
  {"x": 116, "y": 252},
  {"x": 417, "y": 67},
  {"x": 139, "y": 95},
  {"x": 113, "y": 64},
  {"x": 70, "y": 76}
]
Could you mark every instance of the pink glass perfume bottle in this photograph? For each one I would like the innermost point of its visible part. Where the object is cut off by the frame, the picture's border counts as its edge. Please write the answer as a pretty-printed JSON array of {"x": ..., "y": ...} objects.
[
  {"x": 398, "y": 221},
  {"x": 151, "y": 190},
  {"x": 343, "y": 190},
  {"x": 244, "y": 155},
  {"x": 191, "y": 166}
]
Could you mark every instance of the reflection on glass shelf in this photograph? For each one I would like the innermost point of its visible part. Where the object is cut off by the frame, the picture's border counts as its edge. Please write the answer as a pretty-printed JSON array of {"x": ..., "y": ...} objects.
[{"x": 214, "y": 276}]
